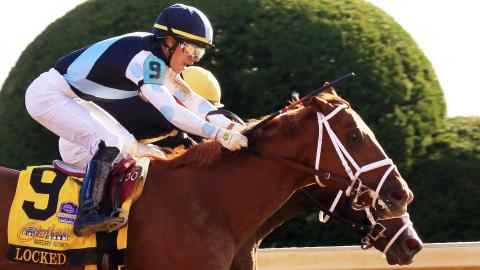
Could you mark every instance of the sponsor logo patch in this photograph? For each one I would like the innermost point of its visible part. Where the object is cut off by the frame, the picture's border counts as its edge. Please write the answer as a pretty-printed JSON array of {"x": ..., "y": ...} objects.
[
  {"x": 33, "y": 231},
  {"x": 67, "y": 213}
]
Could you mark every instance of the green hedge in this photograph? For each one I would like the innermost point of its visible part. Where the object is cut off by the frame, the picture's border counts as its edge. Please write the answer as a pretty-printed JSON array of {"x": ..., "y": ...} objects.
[
  {"x": 264, "y": 50},
  {"x": 446, "y": 183}
]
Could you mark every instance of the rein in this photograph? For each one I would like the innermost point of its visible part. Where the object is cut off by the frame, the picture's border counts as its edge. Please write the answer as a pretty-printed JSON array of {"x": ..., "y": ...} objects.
[
  {"x": 355, "y": 225},
  {"x": 302, "y": 167},
  {"x": 371, "y": 232}
]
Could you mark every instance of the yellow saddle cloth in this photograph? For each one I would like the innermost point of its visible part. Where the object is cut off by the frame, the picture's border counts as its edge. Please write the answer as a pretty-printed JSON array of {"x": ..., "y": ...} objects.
[{"x": 40, "y": 225}]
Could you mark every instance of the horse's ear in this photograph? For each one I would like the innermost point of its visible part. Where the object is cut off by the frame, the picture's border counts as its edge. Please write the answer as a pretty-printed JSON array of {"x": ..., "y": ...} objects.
[
  {"x": 319, "y": 105},
  {"x": 330, "y": 91}
]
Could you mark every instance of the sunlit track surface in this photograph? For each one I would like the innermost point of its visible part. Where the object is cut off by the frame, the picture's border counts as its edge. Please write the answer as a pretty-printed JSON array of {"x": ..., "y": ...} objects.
[{"x": 444, "y": 256}]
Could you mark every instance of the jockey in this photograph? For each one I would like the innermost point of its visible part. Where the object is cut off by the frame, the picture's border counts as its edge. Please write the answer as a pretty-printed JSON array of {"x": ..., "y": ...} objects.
[{"x": 134, "y": 80}]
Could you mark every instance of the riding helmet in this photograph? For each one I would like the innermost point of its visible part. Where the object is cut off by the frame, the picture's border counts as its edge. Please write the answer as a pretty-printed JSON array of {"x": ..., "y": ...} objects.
[
  {"x": 186, "y": 23},
  {"x": 203, "y": 83}
]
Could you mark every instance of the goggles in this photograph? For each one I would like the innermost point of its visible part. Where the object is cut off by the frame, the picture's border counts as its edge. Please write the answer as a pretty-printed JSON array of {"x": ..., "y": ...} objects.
[{"x": 192, "y": 50}]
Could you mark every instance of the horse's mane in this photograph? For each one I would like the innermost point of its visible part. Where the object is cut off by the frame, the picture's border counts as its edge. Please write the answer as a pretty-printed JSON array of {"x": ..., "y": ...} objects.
[
  {"x": 209, "y": 152},
  {"x": 198, "y": 156}
]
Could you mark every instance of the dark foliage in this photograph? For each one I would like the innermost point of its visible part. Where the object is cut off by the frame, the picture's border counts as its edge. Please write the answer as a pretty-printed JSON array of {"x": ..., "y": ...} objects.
[{"x": 265, "y": 49}]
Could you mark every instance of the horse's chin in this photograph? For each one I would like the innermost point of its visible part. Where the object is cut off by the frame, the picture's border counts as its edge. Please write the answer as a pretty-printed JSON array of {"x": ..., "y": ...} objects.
[
  {"x": 394, "y": 259},
  {"x": 399, "y": 257}
]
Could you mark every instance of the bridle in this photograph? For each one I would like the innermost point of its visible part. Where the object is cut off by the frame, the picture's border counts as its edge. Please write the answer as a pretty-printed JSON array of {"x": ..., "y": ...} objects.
[
  {"x": 343, "y": 154},
  {"x": 371, "y": 233},
  {"x": 375, "y": 230},
  {"x": 353, "y": 184}
]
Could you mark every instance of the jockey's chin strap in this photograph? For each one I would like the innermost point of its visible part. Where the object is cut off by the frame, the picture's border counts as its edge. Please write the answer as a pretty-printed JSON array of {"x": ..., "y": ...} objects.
[{"x": 344, "y": 156}]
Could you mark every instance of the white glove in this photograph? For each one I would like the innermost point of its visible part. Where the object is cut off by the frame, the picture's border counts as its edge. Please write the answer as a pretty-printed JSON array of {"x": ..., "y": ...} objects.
[
  {"x": 230, "y": 139},
  {"x": 236, "y": 127}
]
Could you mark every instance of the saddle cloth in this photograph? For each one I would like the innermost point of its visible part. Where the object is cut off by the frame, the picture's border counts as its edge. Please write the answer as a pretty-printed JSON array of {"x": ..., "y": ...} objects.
[{"x": 40, "y": 225}]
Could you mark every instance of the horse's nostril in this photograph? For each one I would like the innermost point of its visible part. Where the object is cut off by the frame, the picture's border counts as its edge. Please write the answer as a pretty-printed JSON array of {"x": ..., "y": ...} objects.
[
  {"x": 413, "y": 245},
  {"x": 399, "y": 195}
]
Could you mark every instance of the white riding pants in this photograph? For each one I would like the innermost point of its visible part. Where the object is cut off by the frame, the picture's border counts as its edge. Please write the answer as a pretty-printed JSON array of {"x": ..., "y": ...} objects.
[
  {"x": 52, "y": 103},
  {"x": 79, "y": 156}
]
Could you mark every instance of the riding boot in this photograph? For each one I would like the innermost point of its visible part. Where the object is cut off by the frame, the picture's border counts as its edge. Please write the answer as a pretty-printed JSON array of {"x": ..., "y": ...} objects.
[{"x": 89, "y": 219}]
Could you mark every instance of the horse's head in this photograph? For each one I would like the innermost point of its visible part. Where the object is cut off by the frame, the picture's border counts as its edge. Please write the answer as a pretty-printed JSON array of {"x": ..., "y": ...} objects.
[{"x": 347, "y": 147}]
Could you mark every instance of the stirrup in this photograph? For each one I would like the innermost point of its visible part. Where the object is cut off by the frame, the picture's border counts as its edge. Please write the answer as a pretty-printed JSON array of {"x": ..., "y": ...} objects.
[
  {"x": 109, "y": 225},
  {"x": 115, "y": 225}
]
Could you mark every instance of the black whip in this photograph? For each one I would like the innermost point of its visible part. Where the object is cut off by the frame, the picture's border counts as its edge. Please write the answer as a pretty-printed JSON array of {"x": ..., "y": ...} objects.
[{"x": 249, "y": 132}]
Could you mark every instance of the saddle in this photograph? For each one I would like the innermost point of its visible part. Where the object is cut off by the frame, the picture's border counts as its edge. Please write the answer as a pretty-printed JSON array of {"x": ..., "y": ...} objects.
[
  {"x": 121, "y": 182},
  {"x": 45, "y": 206}
]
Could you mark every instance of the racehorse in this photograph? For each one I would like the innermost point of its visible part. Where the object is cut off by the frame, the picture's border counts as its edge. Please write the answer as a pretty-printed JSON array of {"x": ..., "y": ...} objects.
[
  {"x": 398, "y": 241},
  {"x": 198, "y": 208}
]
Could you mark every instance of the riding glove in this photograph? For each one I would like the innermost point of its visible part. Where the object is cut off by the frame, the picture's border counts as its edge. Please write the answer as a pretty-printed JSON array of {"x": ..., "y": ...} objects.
[
  {"x": 236, "y": 127},
  {"x": 230, "y": 139}
]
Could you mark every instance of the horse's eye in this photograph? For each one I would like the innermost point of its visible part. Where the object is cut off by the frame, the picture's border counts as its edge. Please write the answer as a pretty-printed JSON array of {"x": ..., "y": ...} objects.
[{"x": 353, "y": 137}]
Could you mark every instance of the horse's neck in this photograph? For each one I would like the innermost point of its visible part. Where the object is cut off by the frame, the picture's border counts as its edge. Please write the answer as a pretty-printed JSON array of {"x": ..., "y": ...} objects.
[
  {"x": 256, "y": 188},
  {"x": 240, "y": 191},
  {"x": 296, "y": 204}
]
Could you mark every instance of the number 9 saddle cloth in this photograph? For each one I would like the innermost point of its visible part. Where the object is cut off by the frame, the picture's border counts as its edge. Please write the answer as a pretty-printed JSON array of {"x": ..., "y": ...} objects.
[{"x": 40, "y": 226}]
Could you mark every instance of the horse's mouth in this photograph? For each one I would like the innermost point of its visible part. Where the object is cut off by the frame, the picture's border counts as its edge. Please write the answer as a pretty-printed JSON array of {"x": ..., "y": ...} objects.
[{"x": 404, "y": 254}]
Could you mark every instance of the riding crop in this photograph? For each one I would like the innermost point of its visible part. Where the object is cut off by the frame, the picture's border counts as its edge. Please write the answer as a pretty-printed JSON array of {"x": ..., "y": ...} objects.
[{"x": 327, "y": 85}]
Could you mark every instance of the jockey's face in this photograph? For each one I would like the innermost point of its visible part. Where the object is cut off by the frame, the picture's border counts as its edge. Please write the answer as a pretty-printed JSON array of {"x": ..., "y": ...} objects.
[{"x": 180, "y": 60}]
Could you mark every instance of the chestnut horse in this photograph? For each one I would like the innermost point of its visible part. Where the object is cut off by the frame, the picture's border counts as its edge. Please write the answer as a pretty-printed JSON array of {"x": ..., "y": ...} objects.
[
  {"x": 197, "y": 209},
  {"x": 398, "y": 249}
]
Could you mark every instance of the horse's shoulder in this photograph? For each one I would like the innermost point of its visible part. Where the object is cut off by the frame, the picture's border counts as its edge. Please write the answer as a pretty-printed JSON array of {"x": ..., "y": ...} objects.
[{"x": 7, "y": 172}]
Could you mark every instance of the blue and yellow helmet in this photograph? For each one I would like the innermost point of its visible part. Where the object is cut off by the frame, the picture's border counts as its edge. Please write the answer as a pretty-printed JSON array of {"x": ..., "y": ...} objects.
[{"x": 184, "y": 22}]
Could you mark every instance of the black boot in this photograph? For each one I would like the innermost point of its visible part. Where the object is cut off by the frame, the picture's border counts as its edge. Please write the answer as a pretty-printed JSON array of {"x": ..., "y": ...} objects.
[{"x": 89, "y": 220}]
